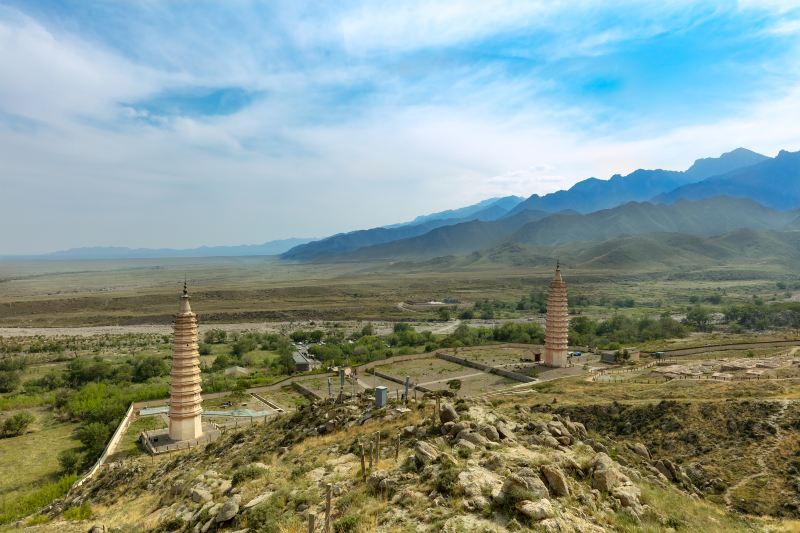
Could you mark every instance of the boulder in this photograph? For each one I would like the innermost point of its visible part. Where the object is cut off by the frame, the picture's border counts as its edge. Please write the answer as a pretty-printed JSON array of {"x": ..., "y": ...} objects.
[
  {"x": 458, "y": 427},
  {"x": 556, "y": 480},
  {"x": 474, "y": 482},
  {"x": 201, "y": 495},
  {"x": 464, "y": 445},
  {"x": 523, "y": 485},
  {"x": 504, "y": 431},
  {"x": 409, "y": 431},
  {"x": 425, "y": 453},
  {"x": 596, "y": 446},
  {"x": 98, "y": 528},
  {"x": 605, "y": 474},
  {"x": 576, "y": 428},
  {"x": 640, "y": 449},
  {"x": 628, "y": 496},
  {"x": 546, "y": 439},
  {"x": 381, "y": 481},
  {"x": 474, "y": 438},
  {"x": 662, "y": 468},
  {"x": 490, "y": 432},
  {"x": 447, "y": 427},
  {"x": 536, "y": 510},
  {"x": 229, "y": 509},
  {"x": 258, "y": 499},
  {"x": 448, "y": 414}
]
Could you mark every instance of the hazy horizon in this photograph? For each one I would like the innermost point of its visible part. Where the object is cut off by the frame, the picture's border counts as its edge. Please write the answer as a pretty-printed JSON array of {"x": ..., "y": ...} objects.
[{"x": 182, "y": 124}]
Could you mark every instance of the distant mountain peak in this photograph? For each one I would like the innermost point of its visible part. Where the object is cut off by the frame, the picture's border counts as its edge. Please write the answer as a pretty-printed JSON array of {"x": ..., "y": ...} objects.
[{"x": 733, "y": 160}]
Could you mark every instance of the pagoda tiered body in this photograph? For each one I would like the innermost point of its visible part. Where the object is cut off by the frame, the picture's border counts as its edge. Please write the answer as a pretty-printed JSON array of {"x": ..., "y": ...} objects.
[
  {"x": 557, "y": 327},
  {"x": 185, "y": 407}
]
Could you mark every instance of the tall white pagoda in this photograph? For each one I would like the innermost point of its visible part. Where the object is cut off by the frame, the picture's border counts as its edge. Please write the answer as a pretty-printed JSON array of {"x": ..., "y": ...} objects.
[{"x": 185, "y": 407}]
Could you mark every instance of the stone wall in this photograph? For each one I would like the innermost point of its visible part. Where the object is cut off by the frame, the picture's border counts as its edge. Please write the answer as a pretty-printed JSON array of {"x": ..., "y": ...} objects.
[
  {"x": 305, "y": 391},
  {"x": 400, "y": 381},
  {"x": 516, "y": 376}
]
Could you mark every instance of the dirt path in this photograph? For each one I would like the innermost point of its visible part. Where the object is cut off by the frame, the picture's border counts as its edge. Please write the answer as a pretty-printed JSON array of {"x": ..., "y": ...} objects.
[
  {"x": 448, "y": 327},
  {"x": 763, "y": 453}
]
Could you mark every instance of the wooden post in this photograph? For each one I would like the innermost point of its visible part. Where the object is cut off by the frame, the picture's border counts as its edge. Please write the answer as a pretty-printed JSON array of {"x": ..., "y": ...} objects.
[
  {"x": 438, "y": 410},
  {"x": 328, "y": 508},
  {"x": 371, "y": 454},
  {"x": 312, "y": 526},
  {"x": 363, "y": 468},
  {"x": 397, "y": 449},
  {"x": 378, "y": 448}
]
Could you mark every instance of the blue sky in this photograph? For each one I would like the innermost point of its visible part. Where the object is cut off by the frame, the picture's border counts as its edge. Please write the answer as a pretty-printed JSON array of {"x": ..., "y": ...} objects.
[{"x": 181, "y": 123}]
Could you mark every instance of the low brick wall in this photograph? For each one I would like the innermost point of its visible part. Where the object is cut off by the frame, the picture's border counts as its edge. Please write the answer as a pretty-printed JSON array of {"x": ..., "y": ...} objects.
[{"x": 516, "y": 376}]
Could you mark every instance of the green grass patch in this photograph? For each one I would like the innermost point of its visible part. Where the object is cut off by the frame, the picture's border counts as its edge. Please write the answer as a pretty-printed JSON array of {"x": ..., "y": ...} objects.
[
  {"x": 32, "y": 458},
  {"x": 19, "y": 506},
  {"x": 83, "y": 512}
]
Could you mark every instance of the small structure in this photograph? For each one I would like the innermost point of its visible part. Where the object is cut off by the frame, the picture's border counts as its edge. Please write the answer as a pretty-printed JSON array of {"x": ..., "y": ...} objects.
[
  {"x": 557, "y": 326},
  {"x": 304, "y": 363},
  {"x": 381, "y": 396},
  {"x": 236, "y": 371}
]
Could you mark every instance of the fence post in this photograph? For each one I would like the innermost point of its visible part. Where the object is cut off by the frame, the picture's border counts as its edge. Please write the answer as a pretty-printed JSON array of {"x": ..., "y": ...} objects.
[
  {"x": 363, "y": 469},
  {"x": 328, "y": 508},
  {"x": 312, "y": 518}
]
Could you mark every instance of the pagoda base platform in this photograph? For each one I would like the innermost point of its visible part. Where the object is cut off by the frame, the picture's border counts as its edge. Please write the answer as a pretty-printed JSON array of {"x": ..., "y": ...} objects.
[{"x": 158, "y": 441}]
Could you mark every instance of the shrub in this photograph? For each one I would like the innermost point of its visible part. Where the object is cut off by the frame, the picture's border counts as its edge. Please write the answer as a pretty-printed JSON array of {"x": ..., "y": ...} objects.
[
  {"x": 347, "y": 523},
  {"x": 9, "y": 380},
  {"x": 69, "y": 460},
  {"x": 245, "y": 474},
  {"x": 16, "y": 425},
  {"x": 84, "y": 512}
]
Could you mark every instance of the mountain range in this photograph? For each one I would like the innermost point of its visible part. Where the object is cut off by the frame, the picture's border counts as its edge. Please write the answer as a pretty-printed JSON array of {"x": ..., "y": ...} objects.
[
  {"x": 740, "y": 189},
  {"x": 707, "y": 217},
  {"x": 594, "y": 194},
  {"x": 772, "y": 182},
  {"x": 644, "y": 201}
]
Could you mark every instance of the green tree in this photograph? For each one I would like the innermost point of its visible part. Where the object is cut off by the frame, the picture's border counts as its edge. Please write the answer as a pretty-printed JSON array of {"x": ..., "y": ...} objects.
[
  {"x": 699, "y": 318},
  {"x": 93, "y": 436},
  {"x": 444, "y": 314},
  {"x": 149, "y": 366},
  {"x": 215, "y": 336}
]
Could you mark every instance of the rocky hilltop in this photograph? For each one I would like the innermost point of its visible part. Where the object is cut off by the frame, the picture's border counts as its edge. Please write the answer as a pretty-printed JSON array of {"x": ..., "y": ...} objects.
[{"x": 474, "y": 466}]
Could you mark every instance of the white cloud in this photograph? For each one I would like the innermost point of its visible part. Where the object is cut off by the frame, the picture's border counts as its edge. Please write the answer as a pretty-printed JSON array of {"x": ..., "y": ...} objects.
[{"x": 100, "y": 171}]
